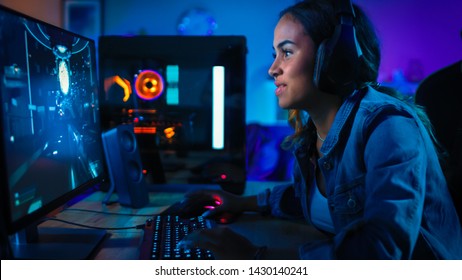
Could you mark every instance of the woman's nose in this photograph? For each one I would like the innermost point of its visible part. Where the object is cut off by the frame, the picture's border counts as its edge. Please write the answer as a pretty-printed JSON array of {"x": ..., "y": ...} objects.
[{"x": 274, "y": 70}]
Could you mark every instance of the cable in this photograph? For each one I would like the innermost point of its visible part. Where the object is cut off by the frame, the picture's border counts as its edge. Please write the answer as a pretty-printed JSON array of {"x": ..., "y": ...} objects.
[{"x": 140, "y": 226}]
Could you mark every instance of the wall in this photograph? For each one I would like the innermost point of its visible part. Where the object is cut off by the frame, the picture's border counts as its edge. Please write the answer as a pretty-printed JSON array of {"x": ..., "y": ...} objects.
[{"x": 418, "y": 36}]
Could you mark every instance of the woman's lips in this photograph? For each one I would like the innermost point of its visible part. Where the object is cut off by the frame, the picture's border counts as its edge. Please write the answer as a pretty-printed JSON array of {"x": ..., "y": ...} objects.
[{"x": 279, "y": 89}]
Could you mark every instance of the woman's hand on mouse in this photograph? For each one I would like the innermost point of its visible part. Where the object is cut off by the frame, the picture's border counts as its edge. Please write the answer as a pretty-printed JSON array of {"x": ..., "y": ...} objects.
[
  {"x": 224, "y": 243},
  {"x": 223, "y": 201}
]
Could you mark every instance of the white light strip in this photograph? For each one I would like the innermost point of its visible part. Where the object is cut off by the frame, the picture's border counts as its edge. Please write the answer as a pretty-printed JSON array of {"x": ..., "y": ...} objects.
[{"x": 218, "y": 114}]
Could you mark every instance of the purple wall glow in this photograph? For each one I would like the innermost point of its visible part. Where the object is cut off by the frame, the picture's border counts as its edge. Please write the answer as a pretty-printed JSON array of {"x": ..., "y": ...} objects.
[{"x": 418, "y": 36}]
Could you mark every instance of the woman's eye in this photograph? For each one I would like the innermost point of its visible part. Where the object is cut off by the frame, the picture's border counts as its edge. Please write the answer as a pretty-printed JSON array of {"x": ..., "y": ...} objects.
[
  {"x": 287, "y": 53},
  {"x": 283, "y": 53}
]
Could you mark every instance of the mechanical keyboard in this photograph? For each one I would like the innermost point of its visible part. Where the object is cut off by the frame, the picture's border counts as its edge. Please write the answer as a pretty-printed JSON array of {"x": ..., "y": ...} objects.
[{"x": 162, "y": 234}]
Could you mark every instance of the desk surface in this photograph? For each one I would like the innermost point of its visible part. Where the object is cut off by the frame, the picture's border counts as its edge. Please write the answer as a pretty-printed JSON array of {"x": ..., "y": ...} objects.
[{"x": 125, "y": 244}]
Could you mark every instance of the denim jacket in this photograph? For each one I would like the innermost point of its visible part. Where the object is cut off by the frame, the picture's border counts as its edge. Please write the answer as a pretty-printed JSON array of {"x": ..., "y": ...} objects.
[{"x": 386, "y": 192}]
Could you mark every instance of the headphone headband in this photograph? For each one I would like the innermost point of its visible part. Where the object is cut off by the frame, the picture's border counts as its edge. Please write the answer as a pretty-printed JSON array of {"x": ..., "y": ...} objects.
[{"x": 337, "y": 65}]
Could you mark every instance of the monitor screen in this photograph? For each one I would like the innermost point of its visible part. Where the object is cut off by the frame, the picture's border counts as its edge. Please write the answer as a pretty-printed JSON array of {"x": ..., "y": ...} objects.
[
  {"x": 185, "y": 96},
  {"x": 50, "y": 137}
]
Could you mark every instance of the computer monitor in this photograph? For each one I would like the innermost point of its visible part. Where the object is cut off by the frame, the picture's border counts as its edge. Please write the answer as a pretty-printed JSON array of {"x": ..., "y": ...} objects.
[
  {"x": 50, "y": 137},
  {"x": 185, "y": 96}
]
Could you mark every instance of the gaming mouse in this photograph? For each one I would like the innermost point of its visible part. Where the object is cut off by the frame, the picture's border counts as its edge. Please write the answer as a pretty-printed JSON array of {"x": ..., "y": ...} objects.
[
  {"x": 224, "y": 218},
  {"x": 197, "y": 207},
  {"x": 191, "y": 208}
]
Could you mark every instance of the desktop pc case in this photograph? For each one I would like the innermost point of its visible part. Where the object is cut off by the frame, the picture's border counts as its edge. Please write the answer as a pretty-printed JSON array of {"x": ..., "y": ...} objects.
[{"x": 185, "y": 97}]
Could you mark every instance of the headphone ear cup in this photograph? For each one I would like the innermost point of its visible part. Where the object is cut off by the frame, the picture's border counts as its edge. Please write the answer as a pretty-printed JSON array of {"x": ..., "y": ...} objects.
[
  {"x": 337, "y": 62},
  {"x": 319, "y": 62}
]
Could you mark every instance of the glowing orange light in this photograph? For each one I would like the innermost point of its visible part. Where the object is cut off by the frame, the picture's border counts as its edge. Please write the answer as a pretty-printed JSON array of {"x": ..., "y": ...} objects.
[
  {"x": 149, "y": 85},
  {"x": 144, "y": 130},
  {"x": 123, "y": 83},
  {"x": 142, "y": 111},
  {"x": 169, "y": 132}
]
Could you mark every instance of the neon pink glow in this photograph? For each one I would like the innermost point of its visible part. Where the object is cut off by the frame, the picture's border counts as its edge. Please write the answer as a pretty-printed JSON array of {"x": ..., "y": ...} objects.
[{"x": 218, "y": 200}]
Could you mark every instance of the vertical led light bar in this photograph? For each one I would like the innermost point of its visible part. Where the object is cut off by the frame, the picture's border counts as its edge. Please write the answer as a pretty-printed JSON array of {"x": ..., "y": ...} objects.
[
  {"x": 218, "y": 113},
  {"x": 173, "y": 76}
]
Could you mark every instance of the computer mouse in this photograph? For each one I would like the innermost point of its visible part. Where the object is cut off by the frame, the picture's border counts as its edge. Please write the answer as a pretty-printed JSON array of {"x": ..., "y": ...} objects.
[
  {"x": 224, "y": 218},
  {"x": 191, "y": 208},
  {"x": 197, "y": 207}
]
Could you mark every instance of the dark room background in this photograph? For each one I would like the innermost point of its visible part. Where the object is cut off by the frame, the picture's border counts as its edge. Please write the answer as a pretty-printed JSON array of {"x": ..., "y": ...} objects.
[{"x": 418, "y": 36}]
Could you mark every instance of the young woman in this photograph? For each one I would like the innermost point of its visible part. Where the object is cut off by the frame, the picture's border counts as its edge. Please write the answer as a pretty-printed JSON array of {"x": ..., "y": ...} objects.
[{"x": 367, "y": 172}]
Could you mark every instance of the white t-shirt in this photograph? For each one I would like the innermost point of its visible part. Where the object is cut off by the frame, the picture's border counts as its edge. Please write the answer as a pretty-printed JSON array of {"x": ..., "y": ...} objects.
[{"x": 319, "y": 210}]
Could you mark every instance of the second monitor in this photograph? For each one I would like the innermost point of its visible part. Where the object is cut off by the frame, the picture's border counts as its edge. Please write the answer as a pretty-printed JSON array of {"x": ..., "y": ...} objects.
[{"x": 185, "y": 96}]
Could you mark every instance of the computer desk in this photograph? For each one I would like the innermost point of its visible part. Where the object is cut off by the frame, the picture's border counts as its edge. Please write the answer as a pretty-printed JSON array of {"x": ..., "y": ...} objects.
[{"x": 124, "y": 244}]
